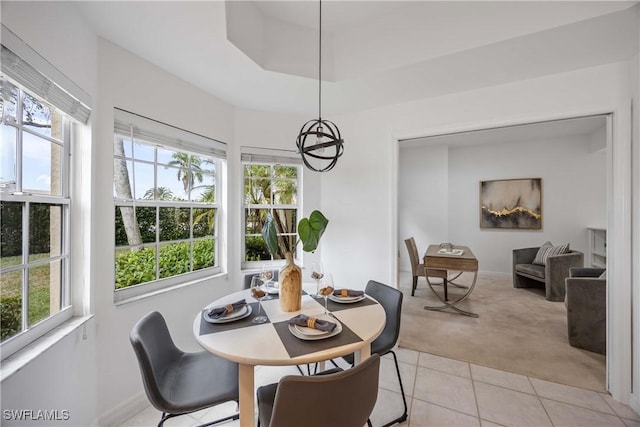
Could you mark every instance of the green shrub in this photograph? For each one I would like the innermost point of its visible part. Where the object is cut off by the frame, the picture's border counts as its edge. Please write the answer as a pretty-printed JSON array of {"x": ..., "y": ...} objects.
[
  {"x": 10, "y": 316},
  {"x": 203, "y": 254},
  {"x": 135, "y": 267},
  {"x": 256, "y": 249}
]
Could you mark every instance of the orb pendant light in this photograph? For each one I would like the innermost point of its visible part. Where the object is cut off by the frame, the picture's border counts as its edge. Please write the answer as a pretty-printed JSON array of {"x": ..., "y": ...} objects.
[{"x": 319, "y": 141}]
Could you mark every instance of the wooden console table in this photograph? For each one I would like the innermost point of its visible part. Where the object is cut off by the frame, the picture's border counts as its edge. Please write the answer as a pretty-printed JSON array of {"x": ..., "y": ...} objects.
[{"x": 441, "y": 263}]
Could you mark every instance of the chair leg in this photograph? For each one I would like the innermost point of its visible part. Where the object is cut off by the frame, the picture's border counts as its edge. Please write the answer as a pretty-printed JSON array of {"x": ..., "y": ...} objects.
[
  {"x": 415, "y": 285},
  {"x": 166, "y": 416},
  {"x": 402, "y": 417}
]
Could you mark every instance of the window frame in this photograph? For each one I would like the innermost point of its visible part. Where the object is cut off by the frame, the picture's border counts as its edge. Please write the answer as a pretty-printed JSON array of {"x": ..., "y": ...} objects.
[
  {"x": 158, "y": 140},
  {"x": 272, "y": 162},
  {"x": 30, "y": 333}
]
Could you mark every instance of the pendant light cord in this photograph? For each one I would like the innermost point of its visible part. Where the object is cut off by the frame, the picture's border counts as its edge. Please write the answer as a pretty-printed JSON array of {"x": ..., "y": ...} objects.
[{"x": 320, "y": 64}]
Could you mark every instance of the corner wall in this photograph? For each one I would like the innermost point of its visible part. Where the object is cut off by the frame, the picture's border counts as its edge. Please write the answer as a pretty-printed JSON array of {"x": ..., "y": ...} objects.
[
  {"x": 573, "y": 194},
  {"x": 64, "y": 376},
  {"x": 365, "y": 216}
]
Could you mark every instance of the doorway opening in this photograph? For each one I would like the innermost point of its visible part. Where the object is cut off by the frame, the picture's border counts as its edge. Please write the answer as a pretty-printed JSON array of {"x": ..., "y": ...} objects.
[{"x": 438, "y": 201}]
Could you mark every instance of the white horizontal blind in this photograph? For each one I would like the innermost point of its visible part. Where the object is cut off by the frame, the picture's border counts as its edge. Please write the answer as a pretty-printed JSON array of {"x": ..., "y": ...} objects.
[
  {"x": 271, "y": 156},
  {"x": 153, "y": 131},
  {"x": 27, "y": 68}
]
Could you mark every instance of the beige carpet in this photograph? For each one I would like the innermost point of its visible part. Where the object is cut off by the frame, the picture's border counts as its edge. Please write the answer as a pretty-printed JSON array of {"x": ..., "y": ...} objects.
[{"x": 518, "y": 331}]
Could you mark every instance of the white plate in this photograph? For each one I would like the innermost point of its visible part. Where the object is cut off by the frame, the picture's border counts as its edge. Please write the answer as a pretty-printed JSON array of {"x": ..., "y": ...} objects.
[
  {"x": 236, "y": 315},
  {"x": 274, "y": 289},
  {"x": 346, "y": 300},
  {"x": 310, "y": 331},
  {"x": 296, "y": 333}
]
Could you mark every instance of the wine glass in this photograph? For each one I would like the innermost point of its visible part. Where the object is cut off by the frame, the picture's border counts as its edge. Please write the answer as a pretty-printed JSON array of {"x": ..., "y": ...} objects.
[
  {"x": 266, "y": 275},
  {"x": 258, "y": 293},
  {"x": 326, "y": 290},
  {"x": 317, "y": 272}
]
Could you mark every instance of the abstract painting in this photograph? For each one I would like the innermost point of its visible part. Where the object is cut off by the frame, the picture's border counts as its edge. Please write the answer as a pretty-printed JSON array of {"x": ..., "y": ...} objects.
[{"x": 511, "y": 203}]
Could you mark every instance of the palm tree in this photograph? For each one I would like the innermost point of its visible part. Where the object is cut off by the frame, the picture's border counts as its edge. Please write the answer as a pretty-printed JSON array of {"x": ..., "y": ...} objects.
[
  {"x": 123, "y": 191},
  {"x": 208, "y": 215},
  {"x": 189, "y": 169},
  {"x": 161, "y": 193}
]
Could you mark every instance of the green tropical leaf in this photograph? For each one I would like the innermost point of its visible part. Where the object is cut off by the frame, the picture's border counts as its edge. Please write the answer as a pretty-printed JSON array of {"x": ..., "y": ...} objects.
[
  {"x": 310, "y": 230},
  {"x": 270, "y": 235}
]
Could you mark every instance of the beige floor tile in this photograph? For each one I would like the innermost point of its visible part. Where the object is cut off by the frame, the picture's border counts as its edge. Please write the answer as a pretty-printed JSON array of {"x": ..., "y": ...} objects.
[
  {"x": 216, "y": 413},
  {"x": 424, "y": 414},
  {"x": 485, "y": 423},
  {"x": 572, "y": 395},
  {"x": 407, "y": 356},
  {"x": 147, "y": 417},
  {"x": 444, "y": 364},
  {"x": 501, "y": 378},
  {"x": 621, "y": 409},
  {"x": 150, "y": 417},
  {"x": 563, "y": 414},
  {"x": 509, "y": 407},
  {"x": 449, "y": 391},
  {"x": 631, "y": 423},
  {"x": 389, "y": 376},
  {"x": 388, "y": 406}
]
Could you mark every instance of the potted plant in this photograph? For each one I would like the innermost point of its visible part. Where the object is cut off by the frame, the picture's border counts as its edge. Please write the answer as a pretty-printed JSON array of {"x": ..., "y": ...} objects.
[{"x": 310, "y": 231}]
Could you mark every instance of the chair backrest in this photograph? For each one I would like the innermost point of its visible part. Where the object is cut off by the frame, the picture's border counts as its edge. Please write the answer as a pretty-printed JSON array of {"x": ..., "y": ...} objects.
[
  {"x": 391, "y": 300},
  {"x": 343, "y": 399},
  {"x": 413, "y": 255},
  {"x": 155, "y": 351},
  {"x": 248, "y": 277}
]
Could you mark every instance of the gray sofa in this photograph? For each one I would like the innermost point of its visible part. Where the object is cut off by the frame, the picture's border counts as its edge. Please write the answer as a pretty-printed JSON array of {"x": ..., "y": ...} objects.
[
  {"x": 551, "y": 276},
  {"x": 586, "y": 303}
]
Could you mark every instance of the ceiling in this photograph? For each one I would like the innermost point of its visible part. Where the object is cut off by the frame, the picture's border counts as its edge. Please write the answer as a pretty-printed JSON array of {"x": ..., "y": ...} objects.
[{"x": 263, "y": 55}]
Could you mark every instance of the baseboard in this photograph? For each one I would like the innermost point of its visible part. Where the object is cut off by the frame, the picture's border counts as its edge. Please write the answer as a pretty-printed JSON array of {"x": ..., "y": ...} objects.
[
  {"x": 634, "y": 402},
  {"x": 125, "y": 410},
  {"x": 494, "y": 273}
]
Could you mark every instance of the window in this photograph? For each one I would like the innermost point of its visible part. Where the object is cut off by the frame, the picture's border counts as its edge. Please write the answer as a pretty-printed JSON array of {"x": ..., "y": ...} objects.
[
  {"x": 34, "y": 212},
  {"x": 272, "y": 185},
  {"x": 42, "y": 113},
  {"x": 166, "y": 197}
]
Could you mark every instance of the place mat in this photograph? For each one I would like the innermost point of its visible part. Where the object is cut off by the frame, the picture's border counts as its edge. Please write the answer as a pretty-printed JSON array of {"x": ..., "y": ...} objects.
[
  {"x": 210, "y": 328},
  {"x": 297, "y": 347},
  {"x": 336, "y": 306}
]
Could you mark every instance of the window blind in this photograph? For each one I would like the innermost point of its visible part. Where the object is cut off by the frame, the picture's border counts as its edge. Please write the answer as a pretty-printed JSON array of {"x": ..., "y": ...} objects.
[
  {"x": 25, "y": 67},
  {"x": 266, "y": 155},
  {"x": 153, "y": 131}
]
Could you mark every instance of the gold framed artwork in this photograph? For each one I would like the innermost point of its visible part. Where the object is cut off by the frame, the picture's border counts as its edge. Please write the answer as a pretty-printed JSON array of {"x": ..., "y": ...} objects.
[{"x": 511, "y": 203}]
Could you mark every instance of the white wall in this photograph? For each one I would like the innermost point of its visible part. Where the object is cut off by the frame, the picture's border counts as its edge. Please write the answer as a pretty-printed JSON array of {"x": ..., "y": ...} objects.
[
  {"x": 275, "y": 131},
  {"x": 98, "y": 376},
  {"x": 574, "y": 195},
  {"x": 364, "y": 212},
  {"x": 423, "y": 198},
  {"x": 64, "y": 376},
  {"x": 130, "y": 83}
]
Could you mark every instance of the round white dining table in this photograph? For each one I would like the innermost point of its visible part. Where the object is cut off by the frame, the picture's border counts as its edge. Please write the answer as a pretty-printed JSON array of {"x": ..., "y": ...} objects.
[{"x": 273, "y": 344}]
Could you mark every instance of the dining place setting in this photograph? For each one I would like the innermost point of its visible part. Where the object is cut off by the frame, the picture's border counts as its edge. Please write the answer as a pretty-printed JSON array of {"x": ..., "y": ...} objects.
[{"x": 307, "y": 325}]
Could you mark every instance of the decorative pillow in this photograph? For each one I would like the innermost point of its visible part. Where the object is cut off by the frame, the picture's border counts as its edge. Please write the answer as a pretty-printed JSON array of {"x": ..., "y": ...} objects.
[
  {"x": 539, "y": 259},
  {"x": 552, "y": 251},
  {"x": 603, "y": 275}
]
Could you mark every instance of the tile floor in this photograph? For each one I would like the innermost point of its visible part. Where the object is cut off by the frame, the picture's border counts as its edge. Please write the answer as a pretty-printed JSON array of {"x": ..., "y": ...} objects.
[{"x": 447, "y": 392}]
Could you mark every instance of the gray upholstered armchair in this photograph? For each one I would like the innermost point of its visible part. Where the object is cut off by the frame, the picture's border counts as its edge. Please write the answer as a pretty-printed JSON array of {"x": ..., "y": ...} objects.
[
  {"x": 586, "y": 303},
  {"x": 552, "y": 275}
]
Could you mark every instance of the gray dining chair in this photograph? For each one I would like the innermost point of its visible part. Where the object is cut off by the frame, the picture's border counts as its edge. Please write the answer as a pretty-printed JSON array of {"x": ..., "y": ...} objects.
[
  {"x": 248, "y": 277},
  {"x": 391, "y": 300},
  {"x": 418, "y": 269},
  {"x": 342, "y": 399},
  {"x": 178, "y": 383}
]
